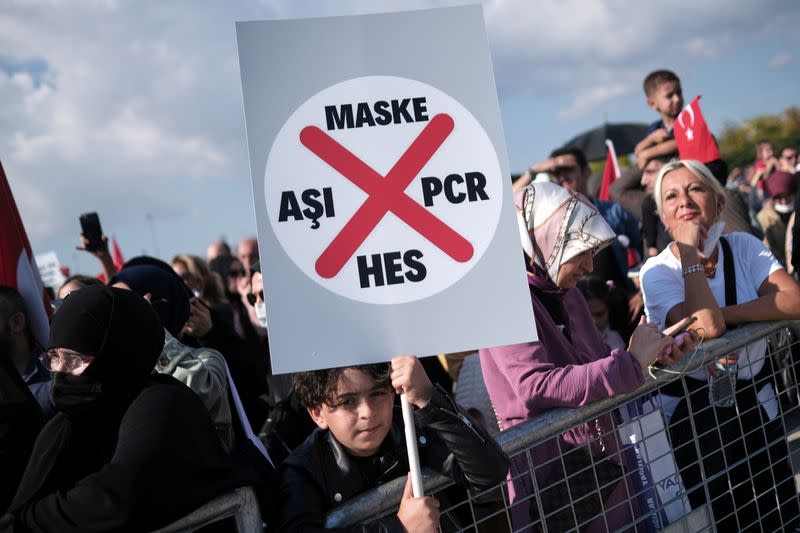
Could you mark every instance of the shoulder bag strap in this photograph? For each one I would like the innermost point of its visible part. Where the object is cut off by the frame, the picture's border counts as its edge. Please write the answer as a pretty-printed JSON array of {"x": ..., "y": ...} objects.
[{"x": 730, "y": 272}]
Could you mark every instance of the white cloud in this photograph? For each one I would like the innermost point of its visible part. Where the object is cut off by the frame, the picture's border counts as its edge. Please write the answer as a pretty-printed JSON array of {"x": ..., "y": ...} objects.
[
  {"x": 140, "y": 138},
  {"x": 570, "y": 47},
  {"x": 705, "y": 48},
  {"x": 593, "y": 99},
  {"x": 779, "y": 61}
]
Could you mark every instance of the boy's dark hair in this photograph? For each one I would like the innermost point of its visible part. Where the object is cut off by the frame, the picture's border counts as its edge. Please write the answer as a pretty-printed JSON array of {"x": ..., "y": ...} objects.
[
  {"x": 593, "y": 288},
  {"x": 316, "y": 387},
  {"x": 580, "y": 157},
  {"x": 666, "y": 158},
  {"x": 656, "y": 78}
]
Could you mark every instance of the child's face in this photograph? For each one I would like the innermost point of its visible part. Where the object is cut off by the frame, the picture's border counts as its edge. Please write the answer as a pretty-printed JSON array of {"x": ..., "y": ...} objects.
[
  {"x": 667, "y": 99},
  {"x": 360, "y": 416},
  {"x": 599, "y": 311}
]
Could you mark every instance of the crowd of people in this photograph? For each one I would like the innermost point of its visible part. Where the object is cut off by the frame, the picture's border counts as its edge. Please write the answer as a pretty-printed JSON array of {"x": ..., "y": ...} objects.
[{"x": 154, "y": 393}]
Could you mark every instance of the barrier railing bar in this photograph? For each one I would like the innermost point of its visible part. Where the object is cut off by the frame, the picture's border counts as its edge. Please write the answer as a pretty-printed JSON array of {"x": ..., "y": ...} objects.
[{"x": 384, "y": 498}]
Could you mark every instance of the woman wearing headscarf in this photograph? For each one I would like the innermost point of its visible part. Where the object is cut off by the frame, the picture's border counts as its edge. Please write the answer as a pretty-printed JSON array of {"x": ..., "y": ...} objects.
[
  {"x": 568, "y": 366},
  {"x": 201, "y": 369},
  {"x": 129, "y": 450},
  {"x": 723, "y": 282}
]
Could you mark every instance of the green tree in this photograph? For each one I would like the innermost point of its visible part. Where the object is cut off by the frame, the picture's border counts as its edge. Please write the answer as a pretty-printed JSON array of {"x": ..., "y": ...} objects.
[{"x": 738, "y": 142}]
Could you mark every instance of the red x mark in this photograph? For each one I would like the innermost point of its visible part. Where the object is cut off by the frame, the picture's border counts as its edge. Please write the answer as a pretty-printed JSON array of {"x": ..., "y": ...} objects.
[{"x": 385, "y": 194}]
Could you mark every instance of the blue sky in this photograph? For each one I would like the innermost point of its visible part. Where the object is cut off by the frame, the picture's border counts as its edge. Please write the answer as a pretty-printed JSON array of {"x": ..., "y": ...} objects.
[{"x": 134, "y": 108}]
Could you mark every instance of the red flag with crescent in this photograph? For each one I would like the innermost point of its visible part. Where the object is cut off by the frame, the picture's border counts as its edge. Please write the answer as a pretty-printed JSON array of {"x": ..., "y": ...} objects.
[
  {"x": 692, "y": 135},
  {"x": 18, "y": 267}
]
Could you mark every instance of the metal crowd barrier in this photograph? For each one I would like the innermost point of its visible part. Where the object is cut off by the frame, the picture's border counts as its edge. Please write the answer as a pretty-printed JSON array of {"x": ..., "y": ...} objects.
[
  {"x": 701, "y": 471},
  {"x": 240, "y": 505}
]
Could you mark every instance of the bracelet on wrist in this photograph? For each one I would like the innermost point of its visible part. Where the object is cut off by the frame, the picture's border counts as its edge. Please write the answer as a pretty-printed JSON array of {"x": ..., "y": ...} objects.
[{"x": 692, "y": 269}]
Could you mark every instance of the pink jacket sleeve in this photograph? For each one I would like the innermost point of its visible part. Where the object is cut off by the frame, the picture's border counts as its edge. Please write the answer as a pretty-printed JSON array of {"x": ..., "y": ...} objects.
[{"x": 540, "y": 384}]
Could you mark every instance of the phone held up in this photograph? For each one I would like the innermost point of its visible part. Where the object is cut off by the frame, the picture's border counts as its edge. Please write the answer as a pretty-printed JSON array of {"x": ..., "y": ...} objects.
[{"x": 90, "y": 228}]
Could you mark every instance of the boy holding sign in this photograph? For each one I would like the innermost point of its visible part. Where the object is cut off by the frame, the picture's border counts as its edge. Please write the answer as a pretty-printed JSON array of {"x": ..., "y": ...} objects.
[{"x": 359, "y": 445}]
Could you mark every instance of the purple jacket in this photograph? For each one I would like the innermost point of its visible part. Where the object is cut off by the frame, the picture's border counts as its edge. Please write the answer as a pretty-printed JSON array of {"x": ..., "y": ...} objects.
[{"x": 526, "y": 379}]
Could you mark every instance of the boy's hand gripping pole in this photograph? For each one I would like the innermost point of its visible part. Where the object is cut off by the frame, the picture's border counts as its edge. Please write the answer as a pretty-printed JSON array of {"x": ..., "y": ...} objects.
[{"x": 411, "y": 445}]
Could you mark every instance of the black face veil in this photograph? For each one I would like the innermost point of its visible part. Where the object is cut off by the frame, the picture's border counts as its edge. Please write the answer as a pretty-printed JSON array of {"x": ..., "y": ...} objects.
[{"x": 119, "y": 329}]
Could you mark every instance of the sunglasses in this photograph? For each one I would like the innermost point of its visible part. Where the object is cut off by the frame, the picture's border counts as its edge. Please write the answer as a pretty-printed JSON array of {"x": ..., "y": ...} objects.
[
  {"x": 252, "y": 299},
  {"x": 237, "y": 273},
  {"x": 560, "y": 171}
]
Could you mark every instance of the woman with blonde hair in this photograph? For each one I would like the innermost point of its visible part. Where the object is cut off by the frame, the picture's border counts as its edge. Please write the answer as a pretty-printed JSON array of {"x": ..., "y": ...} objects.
[
  {"x": 199, "y": 278},
  {"x": 733, "y": 446}
]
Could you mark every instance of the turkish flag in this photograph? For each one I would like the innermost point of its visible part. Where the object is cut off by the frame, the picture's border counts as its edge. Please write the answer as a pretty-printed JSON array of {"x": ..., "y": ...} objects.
[
  {"x": 18, "y": 267},
  {"x": 692, "y": 136},
  {"x": 610, "y": 172},
  {"x": 116, "y": 254}
]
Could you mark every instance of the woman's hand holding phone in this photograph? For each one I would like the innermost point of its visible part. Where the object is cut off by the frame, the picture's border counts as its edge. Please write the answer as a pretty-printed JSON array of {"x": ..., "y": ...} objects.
[
  {"x": 685, "y": 340},
  {"x": 681, "y": 326},
  {"x": 648, "y": 344}
]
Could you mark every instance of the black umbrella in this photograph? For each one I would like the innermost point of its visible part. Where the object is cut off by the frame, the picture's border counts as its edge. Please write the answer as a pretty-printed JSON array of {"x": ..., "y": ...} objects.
[{"x": 593, "y": 142}]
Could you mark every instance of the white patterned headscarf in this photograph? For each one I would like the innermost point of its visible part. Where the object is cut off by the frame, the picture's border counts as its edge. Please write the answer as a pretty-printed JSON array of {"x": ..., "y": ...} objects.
[{"x": 556, "y": 225}]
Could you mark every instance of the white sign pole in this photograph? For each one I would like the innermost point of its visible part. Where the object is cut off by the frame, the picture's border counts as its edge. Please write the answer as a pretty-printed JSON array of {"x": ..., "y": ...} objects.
[{"x": 411, "y": 445}]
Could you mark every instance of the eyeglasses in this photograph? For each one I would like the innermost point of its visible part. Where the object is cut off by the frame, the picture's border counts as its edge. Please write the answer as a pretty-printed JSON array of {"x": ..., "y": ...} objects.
[
  {"x": 66, "y": 361},
  {"x": 251, "y": 297},
  {"x": 237, "y": 273},
  {"x": 561, "y": 171}
]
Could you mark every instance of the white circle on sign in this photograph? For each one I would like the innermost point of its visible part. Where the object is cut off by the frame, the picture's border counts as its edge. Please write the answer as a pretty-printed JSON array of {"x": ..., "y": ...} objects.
[{"x": 344, "y": 238}]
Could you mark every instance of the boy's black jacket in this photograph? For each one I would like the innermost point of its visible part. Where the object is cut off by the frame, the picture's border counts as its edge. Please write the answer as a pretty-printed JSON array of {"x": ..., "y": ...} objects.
[{"x": 320, "y": 475}]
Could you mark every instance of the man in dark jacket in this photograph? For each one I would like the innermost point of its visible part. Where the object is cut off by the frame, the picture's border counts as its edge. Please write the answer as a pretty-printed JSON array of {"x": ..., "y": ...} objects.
[
  {"x": 359, "y": 445},
  {"x": 21, "y": 418},
  {"x": 19, "y": 347}
]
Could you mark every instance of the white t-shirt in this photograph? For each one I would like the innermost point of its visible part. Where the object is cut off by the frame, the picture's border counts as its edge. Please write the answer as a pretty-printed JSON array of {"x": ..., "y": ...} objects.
[{"x": 663, "y": 289}]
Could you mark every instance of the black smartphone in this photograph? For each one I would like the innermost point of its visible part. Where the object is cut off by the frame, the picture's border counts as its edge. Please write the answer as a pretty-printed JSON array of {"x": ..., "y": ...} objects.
[{"x": 90, "y": 227}]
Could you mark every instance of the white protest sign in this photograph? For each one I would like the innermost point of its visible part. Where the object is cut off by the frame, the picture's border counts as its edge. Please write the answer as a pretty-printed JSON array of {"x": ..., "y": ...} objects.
[
  {"x": 382, "y": 193},
  {"x": 50, "y": 269}
]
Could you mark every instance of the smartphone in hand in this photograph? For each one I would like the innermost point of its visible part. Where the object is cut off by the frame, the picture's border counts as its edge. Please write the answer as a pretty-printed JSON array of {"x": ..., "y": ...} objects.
[
  {"x": 90, "y": 228},
  {"x": 680, "y": 327}
]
